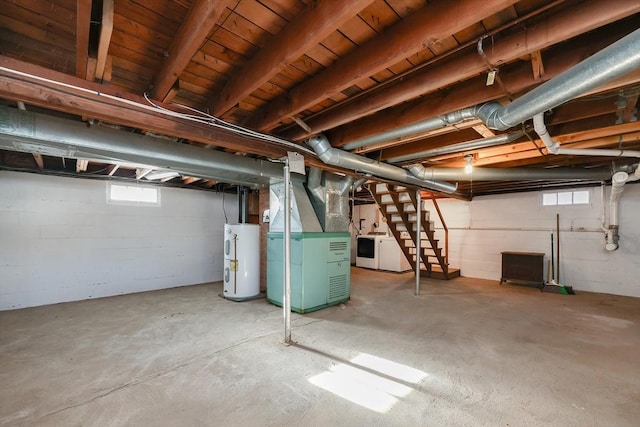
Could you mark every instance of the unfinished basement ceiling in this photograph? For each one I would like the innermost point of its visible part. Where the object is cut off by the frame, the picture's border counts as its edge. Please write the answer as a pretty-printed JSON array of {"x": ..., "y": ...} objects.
[{"x": 297, "y": 68}]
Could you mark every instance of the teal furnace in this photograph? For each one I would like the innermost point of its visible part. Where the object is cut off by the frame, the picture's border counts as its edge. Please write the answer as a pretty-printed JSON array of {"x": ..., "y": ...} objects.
[{"x": 320, "y": 269}]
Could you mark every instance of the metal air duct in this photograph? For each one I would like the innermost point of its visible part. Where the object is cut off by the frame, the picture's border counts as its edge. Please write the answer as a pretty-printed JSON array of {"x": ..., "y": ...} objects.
[
  {"x": 329, "y": 197},
  {"x": 39, "y": 133},
  {"x": 612, "y": 62},
  {"x": 509, "y": 174},
  {"x": 463, "y": 146},
  {"x": 340, "y": 158}
]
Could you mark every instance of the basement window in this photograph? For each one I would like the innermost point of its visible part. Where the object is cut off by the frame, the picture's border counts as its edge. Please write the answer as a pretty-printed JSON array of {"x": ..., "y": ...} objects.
[
  {"x": 133, "y": 195},
  {"x": 564, "y": 198}
]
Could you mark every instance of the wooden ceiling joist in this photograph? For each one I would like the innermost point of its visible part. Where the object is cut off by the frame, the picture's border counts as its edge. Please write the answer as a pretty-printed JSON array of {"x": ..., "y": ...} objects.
[
  {"x": 106, "y": 29},
  {"x": 407, "y": 37},
  {"x": 555, "y": 29},
  {"x": 102, "y": 102},
  {"x": 39, "y": 161},
  {"x": 83, "y": 21},
  {"x": 312, "y": 26},
  {"x": 466, "y": 94},
  {"x": 191, "y": 35}
]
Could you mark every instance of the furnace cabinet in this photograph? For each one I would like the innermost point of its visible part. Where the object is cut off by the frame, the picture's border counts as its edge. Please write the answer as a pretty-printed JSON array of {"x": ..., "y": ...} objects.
[{"x": 320, "y": 270}]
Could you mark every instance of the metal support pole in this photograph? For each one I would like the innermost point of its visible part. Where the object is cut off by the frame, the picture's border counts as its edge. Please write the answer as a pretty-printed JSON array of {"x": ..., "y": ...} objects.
[
  {"x": 418, "y": 238},
  {"x": 286, "y": 301}
]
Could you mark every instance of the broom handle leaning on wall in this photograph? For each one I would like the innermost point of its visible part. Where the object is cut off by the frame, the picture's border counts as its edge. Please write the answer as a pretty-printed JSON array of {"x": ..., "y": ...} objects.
[
  {"x": 553, "y": 261},
  {"x": 558, "y": 246}
]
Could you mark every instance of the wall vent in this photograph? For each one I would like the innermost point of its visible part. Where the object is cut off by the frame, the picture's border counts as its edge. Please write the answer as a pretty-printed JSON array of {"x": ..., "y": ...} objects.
[
  {"x": 337, "y": 287},
  {"x": 337, "y": 246}
]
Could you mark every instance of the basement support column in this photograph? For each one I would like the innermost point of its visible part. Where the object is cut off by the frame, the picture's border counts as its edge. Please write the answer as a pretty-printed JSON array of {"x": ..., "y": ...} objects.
[
  {"x": 418, "y": 238},
  {"x": 286, "y": 300}
]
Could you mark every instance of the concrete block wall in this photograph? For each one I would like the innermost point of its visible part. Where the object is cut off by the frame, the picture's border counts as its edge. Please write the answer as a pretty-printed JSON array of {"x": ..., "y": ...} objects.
[
  {"x": 61, "y": 241},
  {"x": 480, "y": 230}
]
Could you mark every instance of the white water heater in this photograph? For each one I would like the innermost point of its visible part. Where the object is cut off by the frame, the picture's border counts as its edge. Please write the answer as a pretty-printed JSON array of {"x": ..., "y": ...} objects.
[{"x": 241, "y": 261}]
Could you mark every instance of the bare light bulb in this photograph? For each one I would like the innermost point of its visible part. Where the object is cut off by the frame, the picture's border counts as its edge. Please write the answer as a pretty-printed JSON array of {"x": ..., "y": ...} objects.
[{"x": 468, "y": 168}]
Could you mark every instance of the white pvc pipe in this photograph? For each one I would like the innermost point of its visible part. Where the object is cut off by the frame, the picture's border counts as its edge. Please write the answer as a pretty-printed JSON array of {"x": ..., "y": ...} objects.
[
  {"x": 541, "y": 130},
  {"x": 597, "y": 152},
  {"x": 554, "y": 147},
  {"x": 617, "y": 187}
]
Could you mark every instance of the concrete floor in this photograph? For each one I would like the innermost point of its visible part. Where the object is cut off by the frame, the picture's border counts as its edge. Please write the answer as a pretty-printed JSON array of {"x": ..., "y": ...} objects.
[{"x": 464, "y": 353}]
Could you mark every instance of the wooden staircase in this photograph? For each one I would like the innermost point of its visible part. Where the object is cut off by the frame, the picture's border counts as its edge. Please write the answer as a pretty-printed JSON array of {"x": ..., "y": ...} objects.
[{"x": 398, "y": 205}]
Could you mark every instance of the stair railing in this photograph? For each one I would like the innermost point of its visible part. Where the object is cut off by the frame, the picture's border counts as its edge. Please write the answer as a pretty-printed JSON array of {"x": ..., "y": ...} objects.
[{"x": 446, "y": 230}]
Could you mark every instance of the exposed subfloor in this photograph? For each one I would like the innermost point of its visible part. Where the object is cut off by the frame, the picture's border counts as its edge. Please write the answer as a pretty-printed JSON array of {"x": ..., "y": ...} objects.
[{"x": 465, "y": 352}]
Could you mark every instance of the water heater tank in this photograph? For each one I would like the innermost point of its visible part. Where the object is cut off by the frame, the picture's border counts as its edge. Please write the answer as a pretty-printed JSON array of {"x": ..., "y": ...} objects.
[{"x": 241, "y": 261}]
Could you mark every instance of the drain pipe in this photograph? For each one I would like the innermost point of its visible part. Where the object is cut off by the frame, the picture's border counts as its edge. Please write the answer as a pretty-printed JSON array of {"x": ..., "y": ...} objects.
[
  {"x": 340, "y": 158},
  {"x": 617, "y": 187},
  {"x": 554, "y": 147}
]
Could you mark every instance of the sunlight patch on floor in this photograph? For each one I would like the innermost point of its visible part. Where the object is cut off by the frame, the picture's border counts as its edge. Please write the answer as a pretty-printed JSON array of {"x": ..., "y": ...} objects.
[{"x": 378, "y": 393}]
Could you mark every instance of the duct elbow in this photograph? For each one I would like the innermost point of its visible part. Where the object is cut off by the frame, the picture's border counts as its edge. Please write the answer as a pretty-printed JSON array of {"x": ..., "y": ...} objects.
[
  {"x": 314, "y": 183},
  {"x": 320, "y": 144},
  {"x": 489, "y": 113},
  {"x": 418, "y": 171},
  {"x": 345, "y": 185}
]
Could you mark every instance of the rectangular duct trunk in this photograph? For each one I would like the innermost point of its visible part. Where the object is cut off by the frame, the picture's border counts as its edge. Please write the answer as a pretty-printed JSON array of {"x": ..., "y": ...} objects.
[
  {"x": 303, "y": 217},
  {"x": 332, "y": 208}
]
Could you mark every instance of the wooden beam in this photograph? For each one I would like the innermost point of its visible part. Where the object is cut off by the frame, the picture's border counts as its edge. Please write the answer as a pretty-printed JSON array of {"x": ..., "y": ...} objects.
[
  {"x": 172, "y": 92},
  {"x": 38, "y": 160},
  {"x": 309, "y": 28},
  {"x": 537, "y": 66},
  {"x": 200, "y": 20},
  {"x": 484, "y": 131},
  {"x": 470, "y": 92},
  {"x": 81, "y": 165},
  {"x": 108, "y": 70},
  {"x": 113, "y": 169},
  {"x": 83, "y": 21},
  {"x": 582, "y": 109},
  {"x": 564, "y": 25},
  {"x": 434, "y": 22},
  {"x": 106, "y": 29},
  {"x": 112, "y": 104},
  {"x": 189, "y": 180}
]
